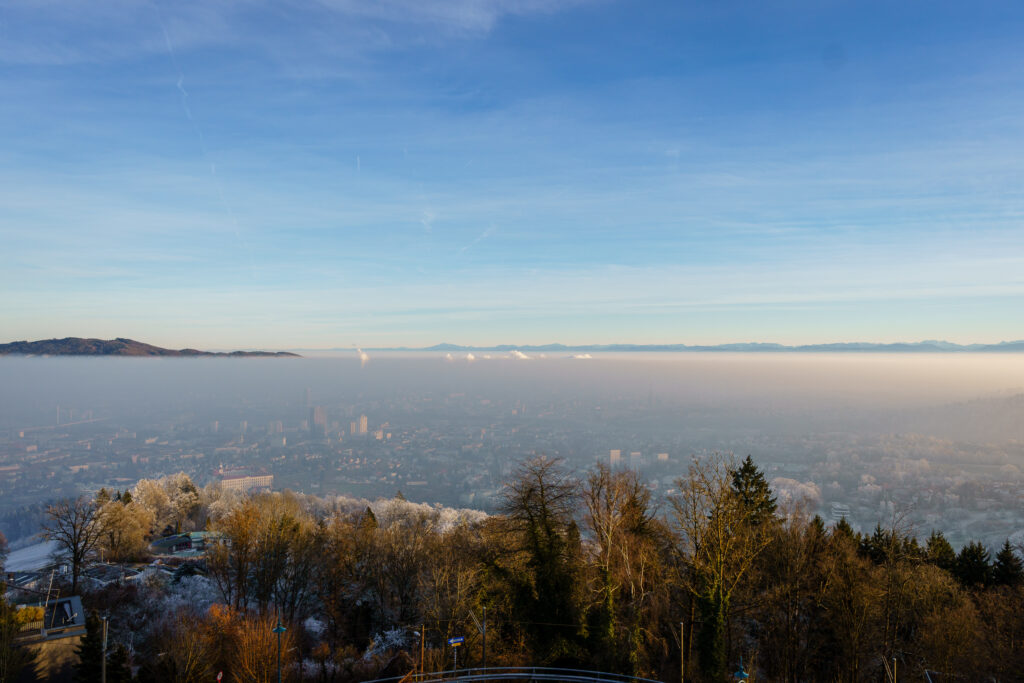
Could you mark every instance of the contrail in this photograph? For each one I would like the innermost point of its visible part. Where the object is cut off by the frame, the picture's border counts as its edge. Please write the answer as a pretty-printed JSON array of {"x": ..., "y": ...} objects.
[{"x": 218, "y": 185}]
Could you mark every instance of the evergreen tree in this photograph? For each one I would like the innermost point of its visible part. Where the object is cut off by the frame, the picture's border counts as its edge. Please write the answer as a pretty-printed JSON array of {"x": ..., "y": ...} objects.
[
  {"x": 90, "y": 651},
  {"x": 126, "y": 497},
  {"x": 973, "y": 565},
  {"x": 843, "y": 531},
  {"x": 369, "y": 520},
  {"x": 753, "y": 491},
  {"x": 939, "y": 552},
  {"x": 1007, "y": 570},
  {"x": 878, "y": 546},
  {"x": 817, "y": 527},
  {"x": 118, "y": 670}
]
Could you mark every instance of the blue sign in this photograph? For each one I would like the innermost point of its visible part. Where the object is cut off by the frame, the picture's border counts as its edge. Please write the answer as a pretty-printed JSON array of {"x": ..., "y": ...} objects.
[{"x": 456, "y": 641}]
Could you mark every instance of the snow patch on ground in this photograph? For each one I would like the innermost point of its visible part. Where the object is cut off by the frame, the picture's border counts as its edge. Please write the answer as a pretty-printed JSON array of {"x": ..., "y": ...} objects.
[{"x": 31, "y": 558}]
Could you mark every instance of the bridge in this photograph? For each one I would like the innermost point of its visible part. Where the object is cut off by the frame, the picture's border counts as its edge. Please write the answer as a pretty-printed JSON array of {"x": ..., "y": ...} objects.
[{"x": 515, "y": 673}]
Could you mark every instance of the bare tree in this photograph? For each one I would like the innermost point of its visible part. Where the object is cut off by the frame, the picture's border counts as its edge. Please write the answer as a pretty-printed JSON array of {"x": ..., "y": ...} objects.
[
  {"x": 721, "y": 540},
  {"x": 231, "y": 564},
  {"x": 76, "y": 527},
  {"x": 621, "y": 519}
]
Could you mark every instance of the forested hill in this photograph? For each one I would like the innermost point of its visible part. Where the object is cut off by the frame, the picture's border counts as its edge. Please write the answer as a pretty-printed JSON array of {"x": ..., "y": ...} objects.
[
  {"x": 77, "y": 346},
  {"x": 575, "y": 570}
]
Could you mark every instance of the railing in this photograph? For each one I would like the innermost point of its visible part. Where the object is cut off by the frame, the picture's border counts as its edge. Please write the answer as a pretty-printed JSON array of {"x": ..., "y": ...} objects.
[{"x": 515, "y": 673}]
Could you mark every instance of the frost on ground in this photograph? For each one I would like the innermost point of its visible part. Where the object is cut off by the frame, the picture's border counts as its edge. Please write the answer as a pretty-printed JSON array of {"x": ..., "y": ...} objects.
[{"x": 31, "y": 558}]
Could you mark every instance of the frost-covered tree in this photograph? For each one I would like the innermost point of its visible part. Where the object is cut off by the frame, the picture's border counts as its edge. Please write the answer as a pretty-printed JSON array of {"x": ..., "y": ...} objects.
[
  {"x": 125, "y": 529},
  {"x": 173, "y": 501}
]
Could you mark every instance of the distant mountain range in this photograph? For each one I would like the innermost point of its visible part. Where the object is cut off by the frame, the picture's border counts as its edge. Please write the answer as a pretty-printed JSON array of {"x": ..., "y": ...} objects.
[
  {"x": 76, "y": 346},
  {"x": 929, "y": 346}
]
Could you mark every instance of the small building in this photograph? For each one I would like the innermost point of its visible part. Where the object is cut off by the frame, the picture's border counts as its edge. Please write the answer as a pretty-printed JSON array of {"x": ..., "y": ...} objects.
[
  {"x": 185, "y": 545},
  {"x": 54, "y": 635},
  {"x": 246, "y": 482}
]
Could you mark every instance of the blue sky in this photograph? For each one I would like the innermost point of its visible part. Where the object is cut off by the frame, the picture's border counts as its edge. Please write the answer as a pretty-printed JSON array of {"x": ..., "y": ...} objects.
[{"x": 399, "y": 172}]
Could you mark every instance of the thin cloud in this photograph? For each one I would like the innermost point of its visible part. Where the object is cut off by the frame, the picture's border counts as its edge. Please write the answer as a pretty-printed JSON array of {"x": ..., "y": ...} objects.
[
  {"x": 427, "y": 218},
  {"x": 479, "y": 238}
]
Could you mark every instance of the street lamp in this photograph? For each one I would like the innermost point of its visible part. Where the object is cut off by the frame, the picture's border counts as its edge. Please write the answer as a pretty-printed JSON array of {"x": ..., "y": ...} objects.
[
  {"x": 742, "y": 674},
  {"x": 279, "y": 629}
]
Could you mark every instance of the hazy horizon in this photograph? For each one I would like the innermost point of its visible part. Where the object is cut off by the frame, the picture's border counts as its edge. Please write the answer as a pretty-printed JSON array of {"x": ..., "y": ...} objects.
[{"x": 824, "y": 380}]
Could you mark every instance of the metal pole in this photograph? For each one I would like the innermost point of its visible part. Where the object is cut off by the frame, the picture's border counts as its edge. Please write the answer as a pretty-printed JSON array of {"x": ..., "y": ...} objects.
[
  {"x": 279, "y": 629},
  {"x": 103, "y": 665},
  {"x": 423, "y": 634},
  {"x": 682, "y": 652},
  {"x": 455, "y": 652},
  {"x": 485, "y": 637}
]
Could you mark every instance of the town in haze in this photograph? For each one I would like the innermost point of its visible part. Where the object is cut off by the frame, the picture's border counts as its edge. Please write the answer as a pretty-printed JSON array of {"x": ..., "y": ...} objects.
[{"x": 455, "y": 444}]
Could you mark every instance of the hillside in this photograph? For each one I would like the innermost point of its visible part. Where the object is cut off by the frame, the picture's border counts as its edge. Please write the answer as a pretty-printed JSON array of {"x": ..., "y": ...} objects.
[{"x": 77, "y": 346}]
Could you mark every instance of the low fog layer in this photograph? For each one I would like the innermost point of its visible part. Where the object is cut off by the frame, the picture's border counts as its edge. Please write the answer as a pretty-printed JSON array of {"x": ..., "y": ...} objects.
[{"x": 951, "y": 395}]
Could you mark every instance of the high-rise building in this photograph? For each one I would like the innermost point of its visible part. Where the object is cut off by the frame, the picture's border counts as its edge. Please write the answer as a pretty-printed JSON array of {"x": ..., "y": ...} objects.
[
  {"x": 615, "y": 457},
  {"x": 318, "y": 421},
  {"x": 363, "y": 424}
]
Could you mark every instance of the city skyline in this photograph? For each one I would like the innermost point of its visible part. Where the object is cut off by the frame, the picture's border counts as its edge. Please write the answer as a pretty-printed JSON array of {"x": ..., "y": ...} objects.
[{"x": 515, "y": 172}]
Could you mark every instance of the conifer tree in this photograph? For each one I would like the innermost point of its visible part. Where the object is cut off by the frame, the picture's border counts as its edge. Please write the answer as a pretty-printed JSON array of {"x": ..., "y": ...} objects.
[
  {"x": 973, "y": 565},
  {"x": 843, "y": 530},
  {"x": 877, "y": 547},
  {"x": 369, "y": 520},
  {"x": 118, "y": 670},
  {"x": 939, "y": 552},
  {"x": 750, "y": 485},
  {"x": 817, "y": 526},
  {"x": 1007, "y": 570},
  {"x": 90, "y": 651}
]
